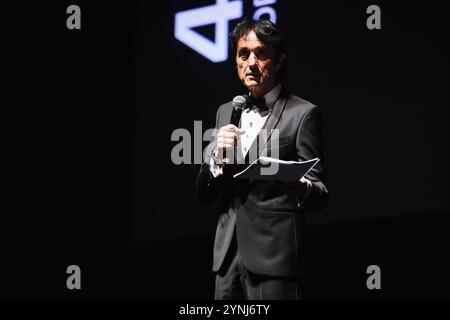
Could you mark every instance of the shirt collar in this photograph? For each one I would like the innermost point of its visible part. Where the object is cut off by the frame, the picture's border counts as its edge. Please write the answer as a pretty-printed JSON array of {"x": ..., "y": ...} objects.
[{"x": 272, "y": 96}]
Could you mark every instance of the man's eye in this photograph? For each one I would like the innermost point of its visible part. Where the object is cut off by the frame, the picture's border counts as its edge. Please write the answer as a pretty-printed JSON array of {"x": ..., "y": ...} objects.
[
  {"x": 243, "y": 54},
  {"x": 261, "y": 54}
]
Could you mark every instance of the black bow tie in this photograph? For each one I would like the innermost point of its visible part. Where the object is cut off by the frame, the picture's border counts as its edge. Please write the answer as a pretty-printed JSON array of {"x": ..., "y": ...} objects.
[{"x": 258, "y": 103}]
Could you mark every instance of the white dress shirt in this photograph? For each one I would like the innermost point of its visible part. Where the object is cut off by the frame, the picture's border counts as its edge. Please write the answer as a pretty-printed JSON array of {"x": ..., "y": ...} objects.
[{"x": 252, "y": 120}]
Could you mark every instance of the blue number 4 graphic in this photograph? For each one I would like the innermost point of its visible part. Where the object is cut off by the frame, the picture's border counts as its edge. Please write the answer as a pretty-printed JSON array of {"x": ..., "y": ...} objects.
[{"x": 219, "y": 14}]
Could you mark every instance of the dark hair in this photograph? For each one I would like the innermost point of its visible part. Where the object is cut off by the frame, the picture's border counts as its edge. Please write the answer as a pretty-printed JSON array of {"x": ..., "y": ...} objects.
[{"x": 266, "y": 31}]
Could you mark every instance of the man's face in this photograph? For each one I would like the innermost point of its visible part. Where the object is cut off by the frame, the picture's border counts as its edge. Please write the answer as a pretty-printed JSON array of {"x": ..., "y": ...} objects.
[{"x": 256, "y": 64}]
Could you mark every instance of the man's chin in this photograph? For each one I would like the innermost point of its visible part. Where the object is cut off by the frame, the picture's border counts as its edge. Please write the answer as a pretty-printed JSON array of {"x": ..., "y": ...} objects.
[{"x": 252, "y": 84}]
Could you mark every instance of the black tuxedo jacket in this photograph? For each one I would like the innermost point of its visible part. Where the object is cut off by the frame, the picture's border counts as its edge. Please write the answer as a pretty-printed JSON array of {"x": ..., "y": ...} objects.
[{"x": 267, "y": 216}]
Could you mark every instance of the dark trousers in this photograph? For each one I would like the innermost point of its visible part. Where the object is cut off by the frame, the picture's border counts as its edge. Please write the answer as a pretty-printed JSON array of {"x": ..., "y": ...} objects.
[{"x": 235, "y": 282}]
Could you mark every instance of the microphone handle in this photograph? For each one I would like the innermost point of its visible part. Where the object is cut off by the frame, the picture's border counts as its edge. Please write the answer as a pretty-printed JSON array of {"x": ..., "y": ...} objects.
[{"x": 236, "y": 116}]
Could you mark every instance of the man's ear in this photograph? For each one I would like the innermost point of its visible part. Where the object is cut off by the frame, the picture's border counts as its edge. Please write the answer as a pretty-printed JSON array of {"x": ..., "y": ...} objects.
[{"x": 281, "y": 60}]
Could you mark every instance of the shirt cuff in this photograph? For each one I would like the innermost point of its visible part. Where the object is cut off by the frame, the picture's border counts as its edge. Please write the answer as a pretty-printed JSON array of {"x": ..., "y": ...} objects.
[{"x": 215, "y": 169}]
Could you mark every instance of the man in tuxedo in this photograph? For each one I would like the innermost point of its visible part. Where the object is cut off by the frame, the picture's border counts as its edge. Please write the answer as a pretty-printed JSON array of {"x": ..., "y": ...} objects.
[{"x": 257, "y": 249}]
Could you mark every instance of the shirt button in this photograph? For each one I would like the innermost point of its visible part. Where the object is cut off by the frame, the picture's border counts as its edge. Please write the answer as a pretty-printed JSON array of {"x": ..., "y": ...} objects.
[
  {"x": 245, "y": 149},
  {"x": 250, "y": 124},
  {"x": 247, "y": 135}
]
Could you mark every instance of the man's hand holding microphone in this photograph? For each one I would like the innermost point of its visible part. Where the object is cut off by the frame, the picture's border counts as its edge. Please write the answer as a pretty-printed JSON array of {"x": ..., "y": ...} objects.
[
  {"x": 229, "y": 135},
  {"x": 227, "y": 139}
]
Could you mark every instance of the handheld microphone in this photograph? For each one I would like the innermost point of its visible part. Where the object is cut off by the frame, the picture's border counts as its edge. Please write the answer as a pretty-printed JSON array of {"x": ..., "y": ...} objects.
[{"x": 239, "y": 103}]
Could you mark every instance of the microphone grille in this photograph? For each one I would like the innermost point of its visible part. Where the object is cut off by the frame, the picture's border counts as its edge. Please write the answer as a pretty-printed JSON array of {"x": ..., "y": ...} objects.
[{"x": 239, "y": 102}]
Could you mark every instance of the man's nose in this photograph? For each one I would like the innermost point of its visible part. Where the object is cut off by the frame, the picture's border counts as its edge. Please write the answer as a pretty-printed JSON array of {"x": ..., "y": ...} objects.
[{"x": 252, "y": 60}]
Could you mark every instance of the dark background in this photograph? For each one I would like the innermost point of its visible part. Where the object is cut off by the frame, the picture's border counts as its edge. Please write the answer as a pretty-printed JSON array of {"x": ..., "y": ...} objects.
[{"x": 92, "y": 182}]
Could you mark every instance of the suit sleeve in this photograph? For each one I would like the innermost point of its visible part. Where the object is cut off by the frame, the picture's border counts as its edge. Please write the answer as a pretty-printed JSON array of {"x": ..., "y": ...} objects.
[
  {"x": 208, "y": 187},
  {"x": 309, "y": 146}
]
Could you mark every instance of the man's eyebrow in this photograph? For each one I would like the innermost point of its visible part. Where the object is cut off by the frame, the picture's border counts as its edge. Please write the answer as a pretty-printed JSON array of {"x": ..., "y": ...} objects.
[{"x": 255, "y": 48}]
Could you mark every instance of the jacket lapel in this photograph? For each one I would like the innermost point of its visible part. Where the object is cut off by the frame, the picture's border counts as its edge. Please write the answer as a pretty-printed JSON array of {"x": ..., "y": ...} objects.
[{"x": 265, "y": 133}]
